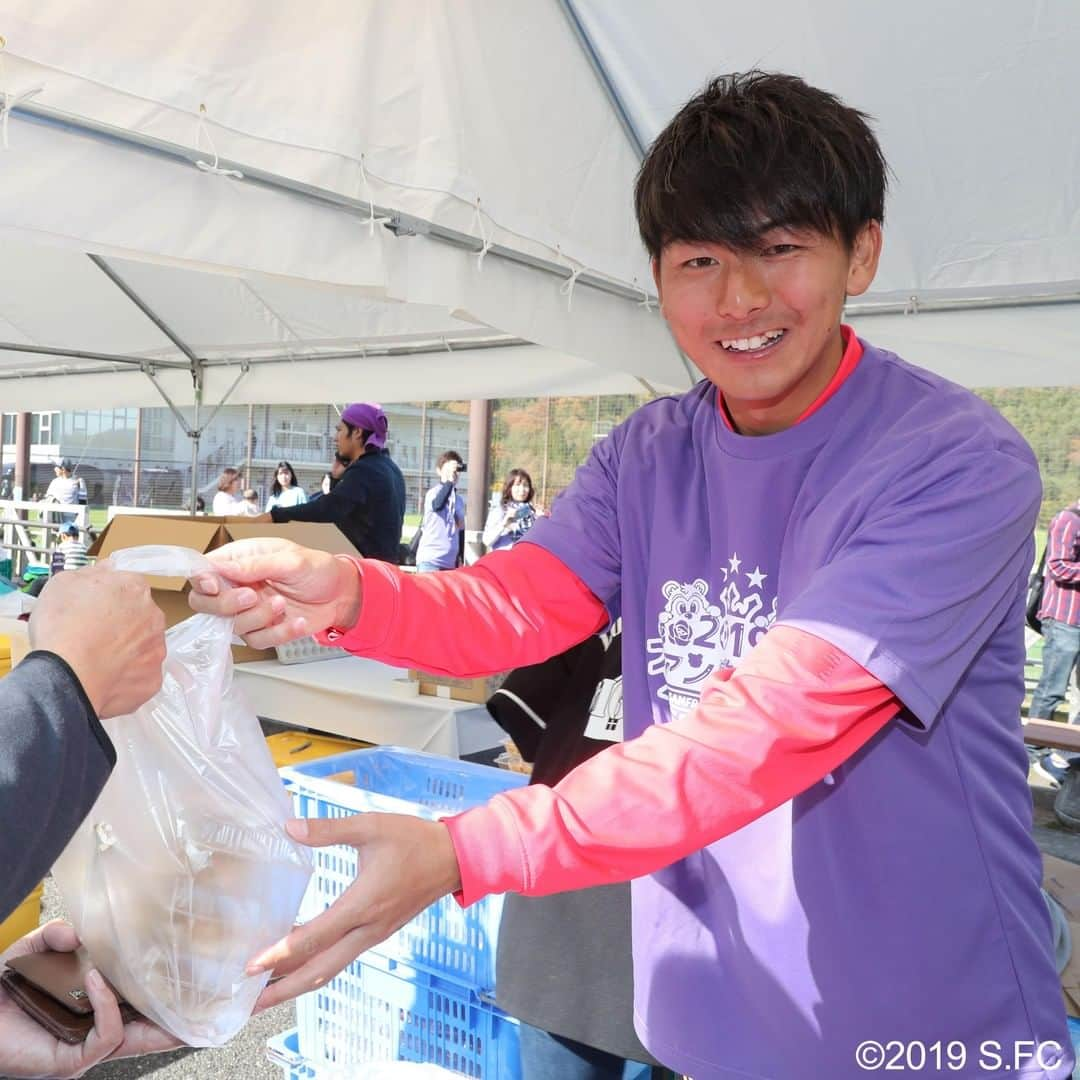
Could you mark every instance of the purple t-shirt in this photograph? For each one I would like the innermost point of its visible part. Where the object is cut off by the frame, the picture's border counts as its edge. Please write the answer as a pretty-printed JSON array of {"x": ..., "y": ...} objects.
[{"x": 898, "y": 899}]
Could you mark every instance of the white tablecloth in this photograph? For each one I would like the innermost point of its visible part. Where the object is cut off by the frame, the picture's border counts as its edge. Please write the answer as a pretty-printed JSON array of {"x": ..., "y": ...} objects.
[{"x": 363, "y": 699}]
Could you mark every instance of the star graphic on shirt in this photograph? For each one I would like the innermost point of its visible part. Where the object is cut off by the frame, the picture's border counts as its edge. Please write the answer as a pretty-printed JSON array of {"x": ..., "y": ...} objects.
[
  {"x": 757, "y": 578},
  {"x": 734, "y": 563}
]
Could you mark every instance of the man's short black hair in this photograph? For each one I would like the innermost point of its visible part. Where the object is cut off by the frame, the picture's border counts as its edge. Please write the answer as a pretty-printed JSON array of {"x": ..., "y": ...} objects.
[
  {"x": 448, "y": 455},
  {"x": 754, "y": 151}
]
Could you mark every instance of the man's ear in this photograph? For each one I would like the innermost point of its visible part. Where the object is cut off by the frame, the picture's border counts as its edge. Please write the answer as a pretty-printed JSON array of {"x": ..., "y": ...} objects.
[
  {"x": 865, "y": 253},
  {"x": 655, "y": 264}
]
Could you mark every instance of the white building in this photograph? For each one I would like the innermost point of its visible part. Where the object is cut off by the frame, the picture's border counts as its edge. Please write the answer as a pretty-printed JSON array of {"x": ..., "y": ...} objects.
[{"x": 105, "y": 445}]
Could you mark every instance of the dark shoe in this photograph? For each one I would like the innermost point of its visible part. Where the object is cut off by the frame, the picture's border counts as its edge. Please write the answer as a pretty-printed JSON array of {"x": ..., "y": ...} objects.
[
  {"x": 1052, "y": 768},
  {"x": 1067, "y": 800}
]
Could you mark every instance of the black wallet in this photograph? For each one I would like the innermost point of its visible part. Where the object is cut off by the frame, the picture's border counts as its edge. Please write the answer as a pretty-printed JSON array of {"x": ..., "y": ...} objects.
[{"x": 51, "y": 988}]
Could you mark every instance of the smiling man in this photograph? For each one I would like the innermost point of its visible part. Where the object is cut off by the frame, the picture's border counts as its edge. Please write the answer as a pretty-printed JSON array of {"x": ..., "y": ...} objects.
[{"x": 819, "y": 555}]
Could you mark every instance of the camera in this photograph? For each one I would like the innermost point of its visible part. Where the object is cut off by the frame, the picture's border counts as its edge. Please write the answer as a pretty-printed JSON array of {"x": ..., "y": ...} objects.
[{"x": 462, "y": 467}]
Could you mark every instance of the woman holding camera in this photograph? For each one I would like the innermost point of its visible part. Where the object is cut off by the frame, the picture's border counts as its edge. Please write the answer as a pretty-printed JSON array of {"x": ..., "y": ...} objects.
[{"x": 513, "y": 515}]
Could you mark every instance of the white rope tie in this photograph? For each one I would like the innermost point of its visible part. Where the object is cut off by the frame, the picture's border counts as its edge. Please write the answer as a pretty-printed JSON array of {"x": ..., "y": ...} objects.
[
  {"x": 911, "y": 306},
  {"x": 370, "y": 201},
  {"x": 207, "y": 166},
  {"x": 567, "y": 287},
  {"x": 486, "y": 241},
  {"x": 10, "y": 101}
]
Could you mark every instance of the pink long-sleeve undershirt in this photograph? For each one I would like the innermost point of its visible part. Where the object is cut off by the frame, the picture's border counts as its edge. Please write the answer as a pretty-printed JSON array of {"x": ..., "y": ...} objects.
[{"x": 796, "y": 708}]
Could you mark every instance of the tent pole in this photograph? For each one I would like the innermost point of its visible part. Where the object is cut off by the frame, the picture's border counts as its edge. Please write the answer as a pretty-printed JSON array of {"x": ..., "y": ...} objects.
[
  {"x": 195, "y": 436},
  {"x": 602, "y": 76}
]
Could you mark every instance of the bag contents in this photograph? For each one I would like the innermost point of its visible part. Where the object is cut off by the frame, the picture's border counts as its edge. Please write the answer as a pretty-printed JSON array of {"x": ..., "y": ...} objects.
[{"x": 183, "y": 870}]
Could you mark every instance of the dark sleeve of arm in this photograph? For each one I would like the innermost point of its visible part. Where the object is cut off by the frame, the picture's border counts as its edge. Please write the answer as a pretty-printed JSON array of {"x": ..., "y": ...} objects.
[
  {"x": 54, "y": 760},
  {"x": 441, "y": 496},
  {"x": 326, "y": 508},
  {"x": 524, "y": 704}
]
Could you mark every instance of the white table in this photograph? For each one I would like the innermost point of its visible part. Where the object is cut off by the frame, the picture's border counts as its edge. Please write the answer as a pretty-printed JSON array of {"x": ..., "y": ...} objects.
[{"x": 363, "y": 699}]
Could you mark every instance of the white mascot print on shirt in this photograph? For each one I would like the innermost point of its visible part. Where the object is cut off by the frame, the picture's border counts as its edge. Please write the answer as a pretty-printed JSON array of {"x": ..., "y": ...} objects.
[{"x": 698, "y": 637}]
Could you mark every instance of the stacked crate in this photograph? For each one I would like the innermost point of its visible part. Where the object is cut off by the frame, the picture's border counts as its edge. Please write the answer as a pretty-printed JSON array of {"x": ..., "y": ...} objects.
[{"x": 425, "y": 994}]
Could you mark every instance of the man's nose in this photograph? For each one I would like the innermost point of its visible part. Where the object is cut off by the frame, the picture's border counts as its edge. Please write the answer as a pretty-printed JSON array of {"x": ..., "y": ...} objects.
[{"x": 743, "y": 290}]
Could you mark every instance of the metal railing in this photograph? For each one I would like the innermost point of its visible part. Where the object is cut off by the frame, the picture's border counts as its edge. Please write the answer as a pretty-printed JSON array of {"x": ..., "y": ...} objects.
[{"x": 29, "y": 530}]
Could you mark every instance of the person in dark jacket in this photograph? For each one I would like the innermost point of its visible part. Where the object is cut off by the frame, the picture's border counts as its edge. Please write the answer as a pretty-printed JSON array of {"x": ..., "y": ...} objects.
[
  {"x": 368, "y": 502},
  {"x": 54, "y": 760}
]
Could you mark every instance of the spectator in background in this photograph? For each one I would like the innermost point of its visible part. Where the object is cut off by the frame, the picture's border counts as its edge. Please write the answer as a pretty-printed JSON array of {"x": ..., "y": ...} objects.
[
  {"x": 1059, "y": 613},
  {"x": 513, "y": 515},
  {"x": 286, "y": 490},
  {"x": 228, "y": 501},
  {"x": 73, "y": 548},
  {"x": 64, "y": 488},
  {"x": 251, "y": 502},
  {"x": 444, "y": 518}
]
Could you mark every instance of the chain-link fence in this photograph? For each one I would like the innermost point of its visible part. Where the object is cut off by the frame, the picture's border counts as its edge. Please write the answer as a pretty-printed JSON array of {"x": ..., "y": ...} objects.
[{"x": 146, "y": 461}]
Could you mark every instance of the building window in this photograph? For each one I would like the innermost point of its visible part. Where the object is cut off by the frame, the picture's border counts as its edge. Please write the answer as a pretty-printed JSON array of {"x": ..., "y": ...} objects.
[{"x": 41, "y": 427}]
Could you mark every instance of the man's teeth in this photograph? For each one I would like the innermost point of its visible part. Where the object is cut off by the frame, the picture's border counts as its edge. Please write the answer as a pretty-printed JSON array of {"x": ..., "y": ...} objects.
[{"x": 749, "y": 344}]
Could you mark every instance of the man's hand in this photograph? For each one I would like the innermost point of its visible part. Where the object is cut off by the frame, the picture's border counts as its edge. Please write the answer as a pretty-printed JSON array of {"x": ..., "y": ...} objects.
[
  {"x": 448, "y": 474},
  {"x": 281, "y": 591},
  {"x": 406, "y": 863},
  {"x": 104, "y": 624},
  {"x": 26, "y": 1049}
]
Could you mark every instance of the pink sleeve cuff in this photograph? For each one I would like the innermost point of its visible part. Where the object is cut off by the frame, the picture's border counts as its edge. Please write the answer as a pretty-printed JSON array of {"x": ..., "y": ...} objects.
[
  {"x": 490, "y": 852},
  {"x": 380, "y": 593}
]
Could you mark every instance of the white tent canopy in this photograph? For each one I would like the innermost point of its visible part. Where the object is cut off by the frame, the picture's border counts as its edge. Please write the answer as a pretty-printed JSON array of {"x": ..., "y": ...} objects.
[
  {"x": 975, "y": 106},
  {"x": 434, "y": 198}
]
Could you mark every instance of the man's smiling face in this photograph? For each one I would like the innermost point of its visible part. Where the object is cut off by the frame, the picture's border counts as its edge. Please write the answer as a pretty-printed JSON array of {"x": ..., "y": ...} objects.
[{"x": 764, "y": 325}]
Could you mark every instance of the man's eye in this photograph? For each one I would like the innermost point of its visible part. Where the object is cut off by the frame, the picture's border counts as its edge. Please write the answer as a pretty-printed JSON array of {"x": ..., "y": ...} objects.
[
  {"x": 699, "y": 261},
  {"x": 780, "y": 249}
]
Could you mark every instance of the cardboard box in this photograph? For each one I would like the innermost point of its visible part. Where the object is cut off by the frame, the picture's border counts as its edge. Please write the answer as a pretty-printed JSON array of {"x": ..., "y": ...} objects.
[
  {"x": 204, "y": 534},
  {"x": 445, "y": 686}
]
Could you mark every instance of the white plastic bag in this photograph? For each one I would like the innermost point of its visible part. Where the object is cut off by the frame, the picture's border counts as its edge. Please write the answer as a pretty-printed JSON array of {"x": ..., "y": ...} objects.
[{"x": 183, "y": 870}]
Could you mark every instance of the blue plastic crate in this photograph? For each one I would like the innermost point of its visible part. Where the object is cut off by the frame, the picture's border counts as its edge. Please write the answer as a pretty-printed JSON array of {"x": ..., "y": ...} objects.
[
  {"x": 283, "y": 1050},
  {"x": 380, "y": 1010},
  {"x": 444, "y": 939}
]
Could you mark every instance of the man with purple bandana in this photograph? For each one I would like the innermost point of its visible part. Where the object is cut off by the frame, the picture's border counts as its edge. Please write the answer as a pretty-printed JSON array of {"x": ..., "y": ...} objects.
[{"x": 368, "y": 502}]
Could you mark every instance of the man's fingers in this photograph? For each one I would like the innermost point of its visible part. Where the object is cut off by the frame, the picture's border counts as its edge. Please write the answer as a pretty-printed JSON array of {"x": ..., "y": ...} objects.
[
  {"x": 228, "y": 602},
  {"x": 319, "y": 969},
  {"x": 57, "y": 935},
  {"x": 247, "y": 561},
  {"x": 322, "y": 832},
  {"x": 108, "y": 1031},
  {"x": 268, "y": 637},
  {"x": 339, "y": 921}
]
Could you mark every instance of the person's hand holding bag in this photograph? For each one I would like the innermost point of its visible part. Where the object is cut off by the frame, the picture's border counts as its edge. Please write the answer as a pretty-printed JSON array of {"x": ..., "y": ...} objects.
[
  {"x": 104, "y": 624},
  {"x": 280, "y": 591},
  {"x": 26, "y": 1049}
]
